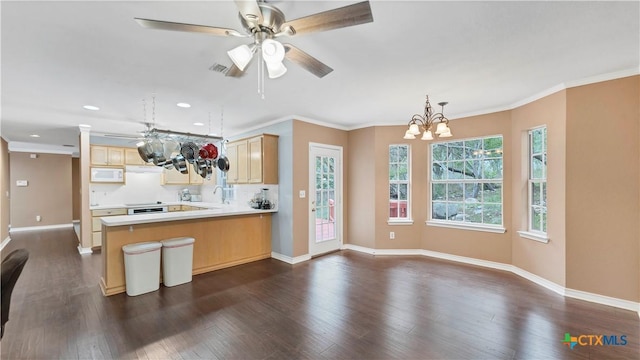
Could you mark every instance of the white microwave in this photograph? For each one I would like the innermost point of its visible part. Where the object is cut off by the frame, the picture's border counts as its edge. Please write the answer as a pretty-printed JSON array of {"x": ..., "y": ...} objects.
[{"x": 107, "y": 175}]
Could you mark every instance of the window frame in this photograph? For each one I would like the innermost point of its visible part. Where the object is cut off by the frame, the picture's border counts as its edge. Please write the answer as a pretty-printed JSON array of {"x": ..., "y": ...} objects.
[
  {"x": 399, "y": 220},
  {"x": 531, "y": 233},
  {"x": 457, "y": 224}
]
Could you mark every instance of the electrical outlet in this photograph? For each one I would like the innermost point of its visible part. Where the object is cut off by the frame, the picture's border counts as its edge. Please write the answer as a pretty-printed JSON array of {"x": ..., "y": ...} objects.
[
  {"x": 392, "y": 235},
  {"x": 38, "y": 218}
]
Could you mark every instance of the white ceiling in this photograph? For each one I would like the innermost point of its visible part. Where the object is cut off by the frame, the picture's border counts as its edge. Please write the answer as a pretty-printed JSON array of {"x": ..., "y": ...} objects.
[{"x": 480, "y": 56}]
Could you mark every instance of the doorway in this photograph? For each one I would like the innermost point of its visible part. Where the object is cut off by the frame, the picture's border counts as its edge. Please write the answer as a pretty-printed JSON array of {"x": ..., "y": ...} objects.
[{"x": 325, "y": 198}]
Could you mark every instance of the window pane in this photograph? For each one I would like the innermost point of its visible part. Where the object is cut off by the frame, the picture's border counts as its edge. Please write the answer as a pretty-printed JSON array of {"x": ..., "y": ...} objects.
[
  {"x": 455, "y": 192},
  {"x": 439, "y": 210},
  {"x": 473, "y": 169},
  {"x": 537, "y": 139},
  {"x": 393, "y": 154},
  {"x": 473, "y": 148},
  {"x": 537, "y": 167},
  {"x": 439, "y": 152},
  {"x": 438, "y": 171},
  {"x": 318, "y": 181},
  {"x": 438, "y": 191},
  {"x": 492, "y": 193},
  {"x": 403, "y": 154},
  {"x": 535, "y": 193},
  {"x": 403, "y": 172},
  {"x": 492, "y": 214},
  {"x": 456, "y": 151},
  {"x": 473, "y": 213},
  {"x": 492, "y": 169},
  {"x": 455, "y": 169},
  {"x": 472, "y": 192},
  {"x": 455, "y": 211},
  {"x": 393, "y": 209},
  {"x": 403, "y": 191},
  {"x": 494, "y": 143},
  {"x": 544, "y": 193},
  {"x": 393, "y": 191},
  {"x": 543, "y": 215},
  {"x": 393, "y": 172},
  {"x": 536, "y": 218}
]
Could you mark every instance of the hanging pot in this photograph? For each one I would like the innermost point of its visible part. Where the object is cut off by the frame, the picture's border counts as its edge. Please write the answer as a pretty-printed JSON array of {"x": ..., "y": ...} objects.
[
  {"x": 190, "y": 151},
  {"x": 208, "y": 169},
  {"x": 180, "y": 164},
  {"x": 145, "y": 151},
  {"x": 223, "y": 163}
]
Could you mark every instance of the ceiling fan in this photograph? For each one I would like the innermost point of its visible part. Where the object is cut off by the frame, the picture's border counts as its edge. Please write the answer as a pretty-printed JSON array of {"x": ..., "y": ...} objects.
[{"x": 265, "y": 23}]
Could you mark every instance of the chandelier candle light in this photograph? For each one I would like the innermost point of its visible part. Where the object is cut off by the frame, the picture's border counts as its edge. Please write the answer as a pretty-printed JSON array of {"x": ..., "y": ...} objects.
[{"x": 420, "y": 123}]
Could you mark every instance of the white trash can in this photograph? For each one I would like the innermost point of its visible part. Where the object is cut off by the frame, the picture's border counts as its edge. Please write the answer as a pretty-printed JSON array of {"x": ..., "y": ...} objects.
[
  {"x": 142, "y": 267},
  {"x": 177, "y": 260}
]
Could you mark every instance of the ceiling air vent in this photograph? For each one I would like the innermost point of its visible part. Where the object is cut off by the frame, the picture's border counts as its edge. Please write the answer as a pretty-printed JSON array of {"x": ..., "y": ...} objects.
[{"x": 219, "y": 68}]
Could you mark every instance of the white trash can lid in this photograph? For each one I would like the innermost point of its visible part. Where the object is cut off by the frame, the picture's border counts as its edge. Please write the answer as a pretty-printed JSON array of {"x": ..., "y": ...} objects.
[
  {"x": 177, "y": 242},
  {"x": 142, "y": 247}
]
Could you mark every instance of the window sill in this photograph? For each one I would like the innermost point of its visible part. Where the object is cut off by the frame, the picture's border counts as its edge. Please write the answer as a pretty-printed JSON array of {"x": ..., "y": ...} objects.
[
  {"x": 400, "y": 222},
  {"x": 467, "y": 226},
  {"x": 541, "y": 237}
]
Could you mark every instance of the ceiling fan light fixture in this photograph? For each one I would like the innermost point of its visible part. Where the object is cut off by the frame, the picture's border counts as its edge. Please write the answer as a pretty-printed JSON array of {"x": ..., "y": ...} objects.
[
  {"x": 276, "y": 70},
  {"x": 272, "y": 51},
  {"x": 242, "y": 55}
]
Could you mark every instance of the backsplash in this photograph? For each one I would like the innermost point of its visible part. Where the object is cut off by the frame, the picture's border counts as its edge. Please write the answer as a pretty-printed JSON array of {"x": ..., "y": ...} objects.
[{"x": 142, "y": 188}]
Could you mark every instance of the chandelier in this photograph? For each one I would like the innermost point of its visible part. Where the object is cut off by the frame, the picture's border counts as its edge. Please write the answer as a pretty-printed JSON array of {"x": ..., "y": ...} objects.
[{"x": 424, "y": 124}]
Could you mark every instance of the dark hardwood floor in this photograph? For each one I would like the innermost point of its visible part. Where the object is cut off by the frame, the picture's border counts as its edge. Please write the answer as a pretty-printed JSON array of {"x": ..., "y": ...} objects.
[{"x": 344, "y": 305}]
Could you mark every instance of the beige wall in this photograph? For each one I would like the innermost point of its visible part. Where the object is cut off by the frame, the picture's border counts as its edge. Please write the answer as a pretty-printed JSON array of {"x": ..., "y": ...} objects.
[
  {"x": 75, "y": 188},
  {"x": 361, "y": 185},
  {"x": 603, "y": 178},
  {"x": 303, "y": 134},
  {"x": 477, "y": 244},
  {"x": 5, "y": 218},
  {"x": 48, "y": 193},
  {"x": 545, "y": 260}
]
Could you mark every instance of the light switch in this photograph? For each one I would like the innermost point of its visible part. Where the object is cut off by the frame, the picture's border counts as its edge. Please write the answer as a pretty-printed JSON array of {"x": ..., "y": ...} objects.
[
  {"x": 22, "y": 183},
  {"x": 303, "y": 194}
]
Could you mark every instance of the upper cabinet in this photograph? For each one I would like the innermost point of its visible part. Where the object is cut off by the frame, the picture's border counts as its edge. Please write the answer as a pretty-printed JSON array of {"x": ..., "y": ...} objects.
[
  {"x": 253, "y": 160},
  {"x": 107, "y": 156},
  {"x": 132, "y": 157}
]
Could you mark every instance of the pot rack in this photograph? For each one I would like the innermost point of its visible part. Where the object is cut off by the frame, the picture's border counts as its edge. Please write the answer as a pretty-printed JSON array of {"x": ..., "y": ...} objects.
[{"x": 180, "y": 136}]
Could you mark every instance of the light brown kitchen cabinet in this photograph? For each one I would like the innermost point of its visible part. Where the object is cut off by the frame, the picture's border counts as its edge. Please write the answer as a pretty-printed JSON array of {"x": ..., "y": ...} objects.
[
  {"x": 174, "y": 177},
  {"x": 253, "y": 160},
  {"x": 107, "y": 155},
  {"x": 132, "y": 157},
  {"x": 96, "y": 224}
]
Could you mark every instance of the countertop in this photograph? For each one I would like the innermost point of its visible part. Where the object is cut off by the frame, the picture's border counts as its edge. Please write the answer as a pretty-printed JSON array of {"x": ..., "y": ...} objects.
[{"x": 212, "y": 210}]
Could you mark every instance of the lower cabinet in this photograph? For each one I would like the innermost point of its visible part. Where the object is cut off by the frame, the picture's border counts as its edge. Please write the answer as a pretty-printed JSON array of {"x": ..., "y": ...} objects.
[{"x": 96, "y": 224}]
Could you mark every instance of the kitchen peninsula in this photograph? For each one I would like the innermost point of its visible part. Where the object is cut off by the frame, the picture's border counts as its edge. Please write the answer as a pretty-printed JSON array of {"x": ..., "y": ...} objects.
[{"x": 225, "y": 235}]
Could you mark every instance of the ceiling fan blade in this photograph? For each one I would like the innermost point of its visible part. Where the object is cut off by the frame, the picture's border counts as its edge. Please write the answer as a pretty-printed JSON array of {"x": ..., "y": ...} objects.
[
  {"x": 250, "y": 11},
  {"x": 349, "y": 15},
  {"x": 311, "y": 64},
  {"x": 174, "y": 26},
  {"x": 234, "y": 71}
]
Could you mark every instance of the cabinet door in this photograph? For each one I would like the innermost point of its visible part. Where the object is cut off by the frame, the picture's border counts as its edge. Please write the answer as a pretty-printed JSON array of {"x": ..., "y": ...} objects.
[
  {"x": 194, "y": 178},
  {"x": 232, "y": 155},
  {"x": 115, "y": 156},
  {"x": 99, "y": 155},
  {"x": 131, "y": 157},
  {"x": 255, "y": 160},
  {"x": 243, "y": 166},
  {"x": 174, "y": 177}
]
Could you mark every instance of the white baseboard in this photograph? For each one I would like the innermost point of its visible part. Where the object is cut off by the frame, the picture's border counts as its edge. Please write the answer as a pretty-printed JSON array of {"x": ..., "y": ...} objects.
[
  {"x": 289, "y": 259},
  {"x": 84, "y": 251},
  {"x": 43, "y": 227},
  {"x": 558, "y": 289},
  {"x": 5, "y": 242}
]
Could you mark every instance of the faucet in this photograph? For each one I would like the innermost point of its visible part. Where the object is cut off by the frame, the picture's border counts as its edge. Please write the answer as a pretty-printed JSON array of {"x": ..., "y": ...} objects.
[{"x": 224, "y": 198}]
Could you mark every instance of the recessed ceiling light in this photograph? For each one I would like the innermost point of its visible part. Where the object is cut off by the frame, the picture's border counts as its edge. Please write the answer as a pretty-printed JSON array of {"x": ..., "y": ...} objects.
[
  {"x": 183, "y": 105},
  {"x": 198, "y": 124},
  {"x": 35, "y": 135},
  {"x": 91, "y": 107}
]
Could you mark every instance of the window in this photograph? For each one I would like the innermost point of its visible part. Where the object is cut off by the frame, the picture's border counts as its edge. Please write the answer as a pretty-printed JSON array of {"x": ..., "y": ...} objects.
[
  {"x": 538, "y": 180},
  {"x": 466, "y": 184},
  {"x": 399, "y": 183}
]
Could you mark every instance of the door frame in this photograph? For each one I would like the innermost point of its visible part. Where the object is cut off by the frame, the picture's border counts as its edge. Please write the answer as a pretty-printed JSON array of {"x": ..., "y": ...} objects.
[{"x": 339, "y": 201}]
